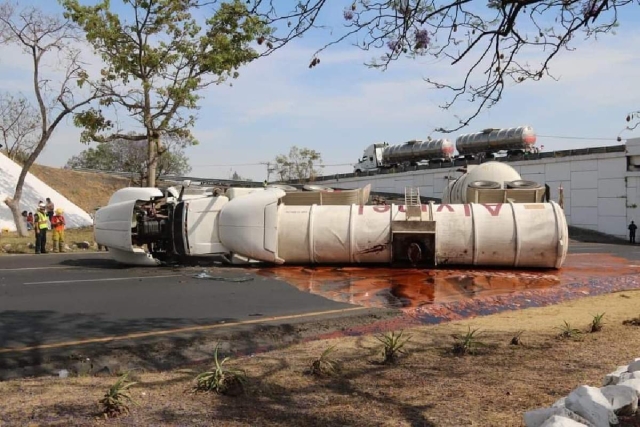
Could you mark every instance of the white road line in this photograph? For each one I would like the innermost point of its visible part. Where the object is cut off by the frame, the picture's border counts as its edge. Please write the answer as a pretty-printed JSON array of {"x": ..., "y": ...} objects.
[
  {"x": 48, "y": 254},
  {"x": 112, "y": 279},
  {"x": 37, "y": 268}
]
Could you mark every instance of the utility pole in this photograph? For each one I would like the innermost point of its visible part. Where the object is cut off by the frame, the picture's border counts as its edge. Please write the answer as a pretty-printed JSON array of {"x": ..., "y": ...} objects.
[{"x": 269, "y": 169}]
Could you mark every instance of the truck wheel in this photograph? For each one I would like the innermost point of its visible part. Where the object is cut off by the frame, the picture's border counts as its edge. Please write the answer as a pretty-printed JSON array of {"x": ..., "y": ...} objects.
[
  {"x": 523, "y": 183},
  {"x": 485, "y": 185}
]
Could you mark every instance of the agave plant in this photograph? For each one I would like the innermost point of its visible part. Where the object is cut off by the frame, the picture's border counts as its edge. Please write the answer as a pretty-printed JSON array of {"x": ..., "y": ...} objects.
[
  {"x": 324, "y": 365},
  {"x": 115, "y": 400},
  {"x": 596, "y": 323},
  {"x": 517, "y": 338},
  {"x": 467, "y": 343},
  {"x": 567, "y": 331},
  {"x": 392, "y": 346},
  {"x": 221, "y": 379}
]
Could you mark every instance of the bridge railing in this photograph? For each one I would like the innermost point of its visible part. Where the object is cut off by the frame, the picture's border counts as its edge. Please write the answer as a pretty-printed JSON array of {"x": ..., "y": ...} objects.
[
  {"x": 465, "y": 162},
  {"x": 175, "y": 178}
]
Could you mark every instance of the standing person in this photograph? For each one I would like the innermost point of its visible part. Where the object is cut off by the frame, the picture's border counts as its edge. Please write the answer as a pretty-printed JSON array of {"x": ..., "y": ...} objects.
[
  {"x": 30, "y": 221},
  {"x": 632, "y": 232},
  {"x": 25, "y": 218},
  {"x": 57, "y": 224},
  {"x": 41, "y": 226},
  {"x": 50, "y": 209}
]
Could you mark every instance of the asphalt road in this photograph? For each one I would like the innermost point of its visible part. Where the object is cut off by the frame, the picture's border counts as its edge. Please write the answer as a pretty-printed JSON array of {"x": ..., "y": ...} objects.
[
  {"x": 51, "y": 302},
  {"x": 630, "y": 252},
  {"x": 48, "y": 299}
]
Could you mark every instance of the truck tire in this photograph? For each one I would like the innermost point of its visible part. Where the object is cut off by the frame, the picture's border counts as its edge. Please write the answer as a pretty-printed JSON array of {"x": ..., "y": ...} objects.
[
  {"x": 314, "y": 187},
  {"x": 523, "y": 183},
  {"x": 282, "y": 187},
  {"x": 485, "y": 185}
]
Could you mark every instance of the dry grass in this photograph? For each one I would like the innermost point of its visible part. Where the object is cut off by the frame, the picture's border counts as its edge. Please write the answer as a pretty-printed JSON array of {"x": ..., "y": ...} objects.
[
  {"x": 12, "y": 243},
  {"x": 87, "y": 190},
  {"x": 429, "y": 387}
]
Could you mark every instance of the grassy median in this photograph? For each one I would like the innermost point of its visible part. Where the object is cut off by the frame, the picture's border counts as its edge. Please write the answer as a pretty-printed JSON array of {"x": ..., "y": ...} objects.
[
  {"x": 12, "y": 243},
  {"x": 429, "y": 386}
]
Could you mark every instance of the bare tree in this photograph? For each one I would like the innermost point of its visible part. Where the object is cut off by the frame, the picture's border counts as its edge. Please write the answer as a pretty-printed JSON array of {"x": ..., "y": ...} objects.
[
  {"x": 18, "y": 126},
  {"x": 491, "y": 41},
  {"x": 43, "y": 37}
]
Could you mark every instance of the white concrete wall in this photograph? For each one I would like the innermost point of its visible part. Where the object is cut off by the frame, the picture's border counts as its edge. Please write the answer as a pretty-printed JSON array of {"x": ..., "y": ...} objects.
[{"x": 599, "y": 193}]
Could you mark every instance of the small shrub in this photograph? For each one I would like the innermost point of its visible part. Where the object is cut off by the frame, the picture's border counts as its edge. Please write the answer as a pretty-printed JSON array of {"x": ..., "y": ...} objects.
[
  {"x": 115, "y": 400},
  {"x": 392, "y": 346},
  {"x": 566, "y": 331},
  {"x": 467, "y": 343},
  {"x": 324, "y": 366},
  {"x": 221, "y": 379},
  {"x": 596, "y": 323},
  {"x": 517, "y": 340}
]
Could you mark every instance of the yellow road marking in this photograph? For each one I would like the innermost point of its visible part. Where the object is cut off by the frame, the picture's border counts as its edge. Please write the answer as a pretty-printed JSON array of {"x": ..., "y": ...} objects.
[{"x": 173, "y": 331}]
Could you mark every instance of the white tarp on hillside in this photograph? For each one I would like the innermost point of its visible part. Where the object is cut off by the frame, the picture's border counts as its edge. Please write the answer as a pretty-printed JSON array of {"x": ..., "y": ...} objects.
[{"x": 34, "y": 190}]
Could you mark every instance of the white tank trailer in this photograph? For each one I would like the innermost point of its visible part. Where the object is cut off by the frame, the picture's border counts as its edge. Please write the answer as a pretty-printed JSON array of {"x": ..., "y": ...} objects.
[
  {"x": 486, "y": 143},
  {"x": 146, "y": 226}
]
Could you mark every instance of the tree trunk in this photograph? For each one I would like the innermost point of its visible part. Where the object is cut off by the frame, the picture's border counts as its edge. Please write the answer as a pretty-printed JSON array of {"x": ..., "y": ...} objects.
[
  {"x": 152, "y": 164},
  {"x": 17, "y": 216},
  {"x": 14, "y": 203}
]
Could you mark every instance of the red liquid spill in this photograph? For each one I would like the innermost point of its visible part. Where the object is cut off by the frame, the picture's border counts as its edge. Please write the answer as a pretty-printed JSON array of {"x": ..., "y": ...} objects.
[{"x": 411, "y": 288}]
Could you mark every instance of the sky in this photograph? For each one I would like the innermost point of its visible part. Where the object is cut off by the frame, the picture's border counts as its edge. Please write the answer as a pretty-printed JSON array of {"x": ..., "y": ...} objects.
[{"x": 341, "y": 106}]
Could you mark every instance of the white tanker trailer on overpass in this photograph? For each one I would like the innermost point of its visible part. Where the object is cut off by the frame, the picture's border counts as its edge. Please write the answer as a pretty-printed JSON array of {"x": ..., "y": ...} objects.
[
  {"x": 144, "y": 226},
  {"x": 485, "y": 144}
]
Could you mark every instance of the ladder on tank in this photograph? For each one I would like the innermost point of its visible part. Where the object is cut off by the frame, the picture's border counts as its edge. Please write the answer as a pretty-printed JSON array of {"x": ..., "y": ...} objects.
[
  {"x": 413, "y": 241},
  {"x": 412, "y": 202}
]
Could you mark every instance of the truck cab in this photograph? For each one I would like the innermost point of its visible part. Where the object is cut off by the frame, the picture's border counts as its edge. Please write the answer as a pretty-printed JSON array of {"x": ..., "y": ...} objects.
[{"x": 371, "y": 158}]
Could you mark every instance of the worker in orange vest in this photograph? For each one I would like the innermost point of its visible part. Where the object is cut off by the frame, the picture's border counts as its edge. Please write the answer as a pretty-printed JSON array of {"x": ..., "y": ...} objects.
[{"x": 58, "y": 223}]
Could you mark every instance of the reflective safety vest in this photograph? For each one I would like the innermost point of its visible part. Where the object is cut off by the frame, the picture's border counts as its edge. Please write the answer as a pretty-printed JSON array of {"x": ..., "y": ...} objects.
[{"x": 42, "y": 220}]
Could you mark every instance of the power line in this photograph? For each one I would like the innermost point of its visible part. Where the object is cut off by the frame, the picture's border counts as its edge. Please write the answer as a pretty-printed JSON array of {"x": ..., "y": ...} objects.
[
  {"x": 577, "y": 137},
  {"x": 265, "y": 163},
  {"x": 580, "y": 138}
]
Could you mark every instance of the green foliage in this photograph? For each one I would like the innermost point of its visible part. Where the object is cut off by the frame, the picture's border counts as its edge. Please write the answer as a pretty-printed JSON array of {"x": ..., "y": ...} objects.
[
  {"x": 158, "y": 58},
  {"x": 116, "y": 399},
  {"x": 392, "y": 346},
  {"x": 131, "y": 156},
  {"x": 467, "y": 343},
  {"x": 517, "y": 338},
  {"x": 566, "y": 331},
  {"x": 324, "y": 365},
  {"x": 221, "y": 379},
  {"x": 301, "y": 163},
  {"x": 596, "y": 323}
]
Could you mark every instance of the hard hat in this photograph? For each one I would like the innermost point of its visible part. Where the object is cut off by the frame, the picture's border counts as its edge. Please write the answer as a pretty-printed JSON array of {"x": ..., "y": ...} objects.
[
  {"x": 59, "y": 211},
  {"x": 41, "y": 206}
]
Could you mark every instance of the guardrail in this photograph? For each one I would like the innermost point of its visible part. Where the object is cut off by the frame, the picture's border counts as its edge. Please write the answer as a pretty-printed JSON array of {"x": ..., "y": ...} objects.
[
  {"x": 466, "y": 162},
  {"x": 174, "y": 178}
]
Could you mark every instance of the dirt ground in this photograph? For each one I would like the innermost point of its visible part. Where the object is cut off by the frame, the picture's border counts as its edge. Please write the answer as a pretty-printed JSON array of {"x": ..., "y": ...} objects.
[
  {"x": 428, "y": 387},
  {"x": 12, "y": 243}
]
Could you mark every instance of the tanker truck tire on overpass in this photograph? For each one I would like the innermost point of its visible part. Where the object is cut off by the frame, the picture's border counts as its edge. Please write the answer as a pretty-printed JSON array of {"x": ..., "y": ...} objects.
[{"x": 258, "y": 226}]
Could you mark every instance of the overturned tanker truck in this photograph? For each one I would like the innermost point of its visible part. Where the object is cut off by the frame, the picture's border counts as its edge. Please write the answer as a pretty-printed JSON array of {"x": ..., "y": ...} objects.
[{"x": 483, "y": 221}]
